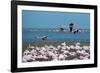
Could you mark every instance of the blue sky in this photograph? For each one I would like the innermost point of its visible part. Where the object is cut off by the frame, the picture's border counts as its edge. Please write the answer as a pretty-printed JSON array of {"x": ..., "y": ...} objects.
[{"x": 45, "y": 19}]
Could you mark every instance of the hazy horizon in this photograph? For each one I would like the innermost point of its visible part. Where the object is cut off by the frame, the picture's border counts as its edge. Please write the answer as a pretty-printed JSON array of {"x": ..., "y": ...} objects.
[{"x": 45, "y": 19}]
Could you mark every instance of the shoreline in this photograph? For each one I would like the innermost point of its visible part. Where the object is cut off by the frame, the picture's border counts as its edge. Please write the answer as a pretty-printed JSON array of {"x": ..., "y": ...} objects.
[{"x": 53, "y": 43}]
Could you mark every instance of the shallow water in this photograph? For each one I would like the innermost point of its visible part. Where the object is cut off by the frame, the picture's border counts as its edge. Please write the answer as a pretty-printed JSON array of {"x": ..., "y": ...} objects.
[{"x": 36, "y": 35}]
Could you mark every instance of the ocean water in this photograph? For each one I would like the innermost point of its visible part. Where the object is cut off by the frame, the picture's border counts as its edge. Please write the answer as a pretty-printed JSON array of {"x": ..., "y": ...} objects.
[{"x": 35, "y": 35}]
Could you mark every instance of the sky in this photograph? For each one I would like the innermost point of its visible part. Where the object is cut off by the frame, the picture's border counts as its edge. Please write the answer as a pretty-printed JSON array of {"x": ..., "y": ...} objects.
[{"x": 51, "y": 19}]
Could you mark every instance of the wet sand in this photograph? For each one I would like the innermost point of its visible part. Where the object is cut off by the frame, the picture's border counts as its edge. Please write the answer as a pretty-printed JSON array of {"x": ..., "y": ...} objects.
[{"x": 54, "y": 43}]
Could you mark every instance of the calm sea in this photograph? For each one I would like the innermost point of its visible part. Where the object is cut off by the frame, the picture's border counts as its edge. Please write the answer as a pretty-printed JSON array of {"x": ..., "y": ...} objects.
[{"x": 33, "y": 35}]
